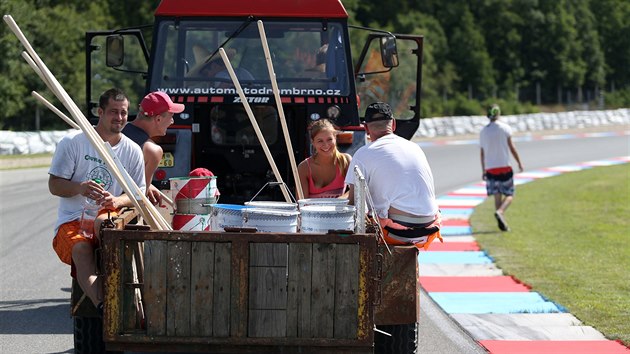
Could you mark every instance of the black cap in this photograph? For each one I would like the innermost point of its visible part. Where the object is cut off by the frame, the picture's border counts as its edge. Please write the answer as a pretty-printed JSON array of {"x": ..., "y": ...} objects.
[{"x": 378, "y": 111}]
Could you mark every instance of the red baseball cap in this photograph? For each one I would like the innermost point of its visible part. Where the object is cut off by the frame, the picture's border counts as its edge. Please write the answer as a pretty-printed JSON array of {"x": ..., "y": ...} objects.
[{"x": 158, "y": 102}]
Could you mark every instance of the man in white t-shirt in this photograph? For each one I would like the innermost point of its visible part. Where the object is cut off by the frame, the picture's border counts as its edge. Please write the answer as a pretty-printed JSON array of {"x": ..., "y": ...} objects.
[
  {"x": 78, "y": 172},
  {"x": 496, "y": 144},
  {"x": 399, "y": 180}
]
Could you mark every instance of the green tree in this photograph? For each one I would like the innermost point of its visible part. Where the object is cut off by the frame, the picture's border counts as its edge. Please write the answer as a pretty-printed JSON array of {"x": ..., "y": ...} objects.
[
  {"x": 592, "y": 52},
  {"x": 502, "y": 29},
  {"x": 560, "y": 48},
  {"x": 491, "y": 46},
  {"x": 468, "y": 52},
  {"x": 45, "y": 24},
  {"x": 613, "y": 27}
]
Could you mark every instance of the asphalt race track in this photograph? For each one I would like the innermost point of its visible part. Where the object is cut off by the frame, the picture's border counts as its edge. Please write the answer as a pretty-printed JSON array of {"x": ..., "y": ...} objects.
[{"x": 34, "y": 285}]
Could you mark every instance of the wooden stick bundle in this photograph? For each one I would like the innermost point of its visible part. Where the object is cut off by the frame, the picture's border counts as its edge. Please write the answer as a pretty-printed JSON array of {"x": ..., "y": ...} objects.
[
  {"x": 146, "y": 209},
  {"x": 283, "y": 120},
  {"x": 259, "y": 134},
  {"x": 74, "y": 125}
]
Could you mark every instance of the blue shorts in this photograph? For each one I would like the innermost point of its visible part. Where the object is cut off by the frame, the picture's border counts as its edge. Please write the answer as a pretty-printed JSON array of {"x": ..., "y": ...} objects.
[{"x": 502, "y": 183}]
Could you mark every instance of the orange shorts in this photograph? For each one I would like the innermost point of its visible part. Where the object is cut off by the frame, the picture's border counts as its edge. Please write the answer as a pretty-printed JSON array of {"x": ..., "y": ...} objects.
[
  {"x": 69, "y": 234},
  {"x": 424, "y": 245},
  {"x": 421, "y": 241}
]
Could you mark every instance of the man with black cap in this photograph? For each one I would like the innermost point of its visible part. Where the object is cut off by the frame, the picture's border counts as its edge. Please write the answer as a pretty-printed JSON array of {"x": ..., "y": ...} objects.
[
  {"x": 155, "y": 116},
  {"x": 496, "y": 145},
  {"x": 399, "y": 180}
]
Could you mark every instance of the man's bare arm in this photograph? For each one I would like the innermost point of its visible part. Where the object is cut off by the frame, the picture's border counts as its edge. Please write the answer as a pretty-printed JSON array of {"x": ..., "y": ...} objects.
[
  {"x": 65, "y": 188},
  {"x": 515, "y": 154}
]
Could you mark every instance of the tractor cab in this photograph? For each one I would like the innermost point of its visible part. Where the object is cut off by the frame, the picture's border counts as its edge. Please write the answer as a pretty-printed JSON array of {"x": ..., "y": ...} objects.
[{"x": 311, "y": 51}]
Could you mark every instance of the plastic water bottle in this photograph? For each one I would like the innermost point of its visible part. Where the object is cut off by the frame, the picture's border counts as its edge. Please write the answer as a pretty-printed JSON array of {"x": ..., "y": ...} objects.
[{"x": 90, "y": 212}]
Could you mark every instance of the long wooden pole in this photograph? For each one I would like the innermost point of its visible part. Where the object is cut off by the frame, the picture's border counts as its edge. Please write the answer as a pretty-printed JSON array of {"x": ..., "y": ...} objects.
[
  {"x": 48, "y": 78},
  {"x": 250, "y": 114},
  {"x": 50, "y": 106},
  {"x": 87, "y": 128},
  {"x": 283, "y": 120},
  {"x": 163, "y": 224}
]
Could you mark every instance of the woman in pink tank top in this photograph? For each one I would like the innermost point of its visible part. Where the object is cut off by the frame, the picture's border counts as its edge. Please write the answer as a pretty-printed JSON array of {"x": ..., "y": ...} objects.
[{"x": 322, "y": 175}]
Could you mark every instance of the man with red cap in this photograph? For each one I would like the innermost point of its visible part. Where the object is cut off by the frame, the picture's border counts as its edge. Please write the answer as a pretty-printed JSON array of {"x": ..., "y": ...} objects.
[{"x": 155, "y": 116}]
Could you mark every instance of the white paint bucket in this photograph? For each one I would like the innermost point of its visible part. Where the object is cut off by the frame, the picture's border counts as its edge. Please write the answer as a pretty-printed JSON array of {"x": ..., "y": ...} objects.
[
  {"x": 318, "y": 219},
  {"x": 191, "y": 192},
  {"x": 322, "y": 201},
  {"x": 271, "y": 220},
  {"x": 191, "y": 222},
  {"x": 272, "y": 205},
  {"x": 226, "y": 215}
]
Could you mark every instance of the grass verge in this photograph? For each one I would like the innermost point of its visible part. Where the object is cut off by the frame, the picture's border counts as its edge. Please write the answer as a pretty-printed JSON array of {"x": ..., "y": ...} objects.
[
  {"x": 570, "y": 241},
  {"x": 9, "y": 162}
]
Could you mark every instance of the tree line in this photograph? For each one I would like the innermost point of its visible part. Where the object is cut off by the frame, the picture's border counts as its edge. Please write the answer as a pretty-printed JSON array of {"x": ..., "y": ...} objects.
[{"x": 525, "y": 54}]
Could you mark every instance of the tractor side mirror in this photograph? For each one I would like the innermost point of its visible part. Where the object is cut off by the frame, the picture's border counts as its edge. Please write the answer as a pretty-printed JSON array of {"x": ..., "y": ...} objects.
[
  {"x": 115, "y": 51},
  {"x": 389, "y": 52}
]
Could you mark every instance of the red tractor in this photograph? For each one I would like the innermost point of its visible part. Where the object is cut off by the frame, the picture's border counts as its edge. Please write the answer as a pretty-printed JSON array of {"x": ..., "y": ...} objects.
[{"x": 310, "y": 45}]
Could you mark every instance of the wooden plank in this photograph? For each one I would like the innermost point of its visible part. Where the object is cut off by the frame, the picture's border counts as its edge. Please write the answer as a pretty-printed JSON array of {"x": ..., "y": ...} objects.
[
  {"x": 367, "y": 290},
  {"x": 268, "y": 288},
  {"x": 178, "y": 290},
  {"x": 268, "y": 254},
  {"x": 221, "y": 291},
  {"x": 267, "y": 323},
  {"x": 346, "y": 291},
  {"x": 267, "y": 302},
  {"x": 239, "y": 288},
  {"x": 323, "y": 290},
  {"x": 155, "y": 256},
  {"x": 129, "y": 304},
  {"x": 299, "y": 290},
  {"x": 202, "y": 293}
]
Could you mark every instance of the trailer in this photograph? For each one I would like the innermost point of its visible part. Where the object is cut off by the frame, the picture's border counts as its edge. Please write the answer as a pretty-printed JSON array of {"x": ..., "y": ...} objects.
[
  {"x": 240, "y": 292},
  {"x": 248, "y": 292}
]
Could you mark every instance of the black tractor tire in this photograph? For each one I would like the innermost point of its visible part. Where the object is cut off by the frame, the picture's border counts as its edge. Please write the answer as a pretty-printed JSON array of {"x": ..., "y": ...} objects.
[
  {"x": 404, "y": 339},
  {"x": 88, "y": 336}
]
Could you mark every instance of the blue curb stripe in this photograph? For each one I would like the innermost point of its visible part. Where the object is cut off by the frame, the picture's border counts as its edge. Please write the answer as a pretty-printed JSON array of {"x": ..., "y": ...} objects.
[
  {"x": 519, "y": 181},
  {"x": 455, "y": 230},
  {"x": 501, "y": 303},
  {"x": 449, "y": 212}
]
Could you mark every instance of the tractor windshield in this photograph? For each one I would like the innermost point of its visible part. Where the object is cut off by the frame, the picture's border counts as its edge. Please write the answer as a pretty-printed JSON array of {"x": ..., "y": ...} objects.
[{"x": 309, "y": 58}]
